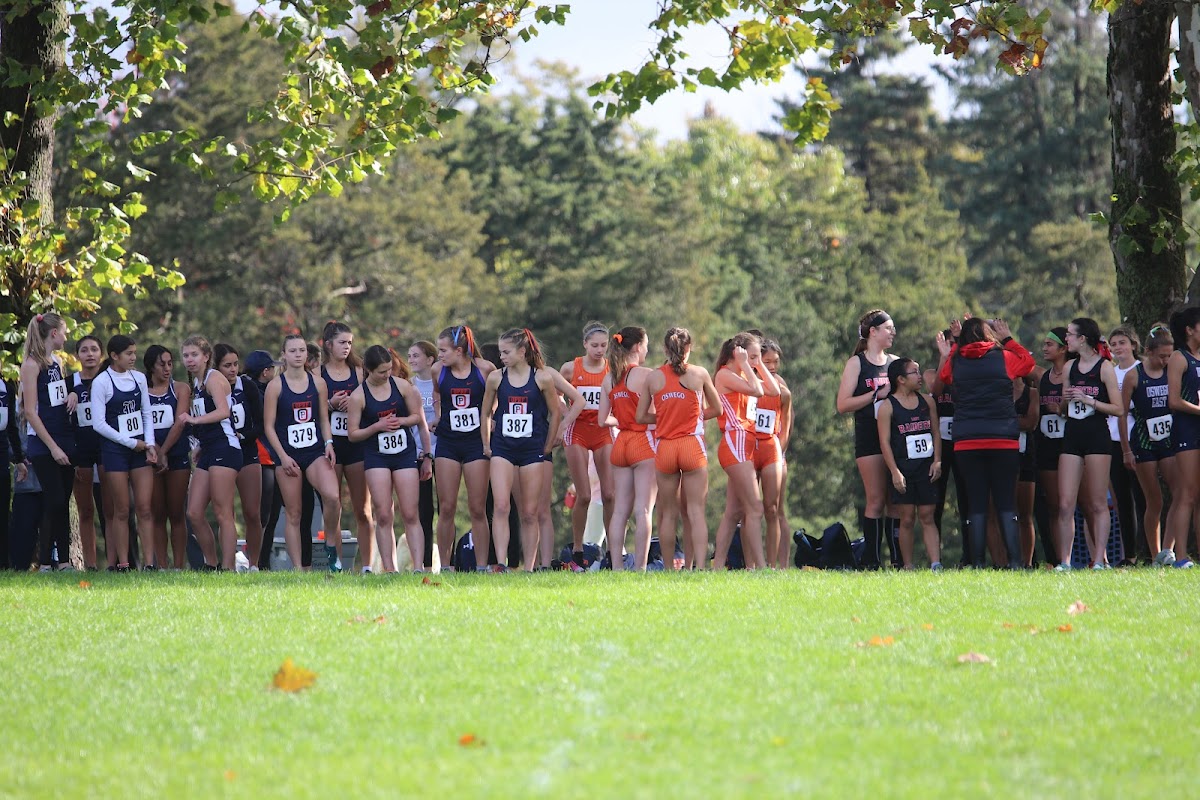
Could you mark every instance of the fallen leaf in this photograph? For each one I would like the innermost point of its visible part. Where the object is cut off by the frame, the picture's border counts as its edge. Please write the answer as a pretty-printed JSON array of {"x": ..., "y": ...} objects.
[
  {"x": 470, "y": 740},
  {"x": 809, "y": 568},
  {"x": 427, "y": 582},
  {"x": 1078, "y": 607},
  {"x": 877, "y": 641},
  {"x": 926, "y": 626},
  {"x": 974, "y": 658},
  {"x": 855, "y": 619},
  {"x": 230, "y": 774},
  {"x": 1010, "y": 624},
  {"x": 291, "y": 678},
  {"x": 1034, "y": 630},
  {"x": 381, "y": 620},
  {"x": 85, "y": 584},
  {"x": 1065, "y": 628}
]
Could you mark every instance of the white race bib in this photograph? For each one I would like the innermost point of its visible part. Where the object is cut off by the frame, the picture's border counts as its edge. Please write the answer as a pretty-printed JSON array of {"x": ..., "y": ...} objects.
[
  {"x": 163, "y": 416},
  {"x": 947, "y": 427},
  {"x": 339, "y": 423},
  {"x": 83, "y": 414},
  {"x": 464, "y": 419},
  {"x": 920, "y": 445},
  {"x": 1077, "y": 409},
  {"x": 517, "y": 426},
  {"x": 591, "y": 397},
  {"x": 1052, "y": 426},
  {"x": 130, "y": 424},
  {"x": 1159, "y": 428},
  {"x": 392, "y": 442},
  {"x": 238, "y": 414},
  {"x": 3, "y": 418},
  {"x": 751, "y": 408},
  {"x": 58, "y": 393},
  {"x": 302, "y": 435},
  {"x": 764, "y": 420},
  {"x": 1022, "y": 440},
  {"x": 197, "y": 406}
]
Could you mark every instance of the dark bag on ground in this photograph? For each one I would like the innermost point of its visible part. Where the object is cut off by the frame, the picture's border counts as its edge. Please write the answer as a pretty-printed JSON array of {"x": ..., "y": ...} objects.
[
  {"x": 836, "y": 550},
  {"x": 808, "y": 550},
  {"x": 464, "y": 554}
]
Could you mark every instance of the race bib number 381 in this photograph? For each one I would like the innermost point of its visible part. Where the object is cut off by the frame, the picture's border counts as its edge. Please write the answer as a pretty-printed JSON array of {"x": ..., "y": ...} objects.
[{"x": 464, "y": 419}]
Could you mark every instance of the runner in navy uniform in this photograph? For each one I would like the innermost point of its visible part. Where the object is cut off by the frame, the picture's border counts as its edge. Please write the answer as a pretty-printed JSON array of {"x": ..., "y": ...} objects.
[
  {"x": 864, "y": 383},
  {"x": 519, "y": 437},
  {"x": 11, "y": 449},
  {"x": 1183, "y": 398},
  {"x": 457, "y": 399},
  {"x": 342, "y": 371},
  {"x": 1147, "y": 448},
  {"x": 246, "y": 413},
  {"x": 86, "y": 458},
  {"x": 1089, "y": 395},
  {"x": 121, "y": 416},
  {"x": 912, "y": 449},
  {"x": 296, "y": 425},
  {"x": 169, "y": 401},
  {"x": 51, "y": 442},
  {"x": 384, "y": 411},
  {"x": 220, "y": 457}
]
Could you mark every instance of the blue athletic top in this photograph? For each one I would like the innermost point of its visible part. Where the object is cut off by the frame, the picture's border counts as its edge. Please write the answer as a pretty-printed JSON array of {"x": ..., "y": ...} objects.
[
  {"x": 337, "y": 419},
  {"x": 1189, "y": 388},
  {"x": 296, "y": 418},
  {"x": 461, "y": 400},
  {"x": 162, "y": 410},
  {"x": 52, "y": 410},
  {"x": 125, "y": 402},
  {"x": 522, "y": 418},
  {"x": 210, "y": 433},
  {"x": 400, "y": 439}
]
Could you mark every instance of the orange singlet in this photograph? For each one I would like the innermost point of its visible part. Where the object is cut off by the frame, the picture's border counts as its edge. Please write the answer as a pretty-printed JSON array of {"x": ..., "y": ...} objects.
[
  {"x": 586, "y": 431},
  {"x": 765, "y": 418},
  {"x": 635, "y": 443},
  {"x": 677, "y": 411},
  {"x": 737, "y": 439}
]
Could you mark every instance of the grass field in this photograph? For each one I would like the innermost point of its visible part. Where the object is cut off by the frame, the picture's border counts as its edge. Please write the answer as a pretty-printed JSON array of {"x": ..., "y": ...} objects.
[{"x": 713, "y": 685}]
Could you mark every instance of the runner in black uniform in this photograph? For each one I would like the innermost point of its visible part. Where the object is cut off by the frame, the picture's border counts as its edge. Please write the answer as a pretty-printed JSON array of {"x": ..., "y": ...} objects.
[
  {"x": 1089, "y": 395},
  {"x": 912, "y": 447},
  {"x": 864, "y": 383}
]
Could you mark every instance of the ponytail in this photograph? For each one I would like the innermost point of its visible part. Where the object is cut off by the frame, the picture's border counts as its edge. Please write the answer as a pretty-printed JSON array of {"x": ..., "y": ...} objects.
[
  {"x": 399, "y": 366},
  {"x": 872, "y": 319},
  {"x": 40, "y": 328},
  {"x": 524, "y": 338},
  {"x": 620, "y": 345},
  {"x": 677, "y": 344}
]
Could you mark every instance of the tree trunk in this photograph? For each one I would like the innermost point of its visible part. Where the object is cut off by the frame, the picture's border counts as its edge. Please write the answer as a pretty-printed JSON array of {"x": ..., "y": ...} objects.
[
  {"x": 1147, "y": 210},
  {"x": 34, "y": 40}
]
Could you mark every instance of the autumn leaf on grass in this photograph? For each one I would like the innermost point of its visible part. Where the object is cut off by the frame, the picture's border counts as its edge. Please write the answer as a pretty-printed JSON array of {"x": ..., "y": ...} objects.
[
  {"x": 470, "y": 740},
  {"x": 1065, "y": 628},
  {"x": 85, "y": 584},
  {"x": 291, "y": 678},
  {"x": 1078, "y": 607},
  {"x": 877, "y": 641},
  {"x": 381, "y": 620},
  {"x": 974, "y": 658},
  {"x": 427, "y": 582},
  {"x": 926, "y": 626}
]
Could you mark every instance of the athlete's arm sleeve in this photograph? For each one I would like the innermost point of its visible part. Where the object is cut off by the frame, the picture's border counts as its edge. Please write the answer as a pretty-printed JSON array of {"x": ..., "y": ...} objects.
[
  {"x": 254, "y": 417},
  {"x": 1017, "y": 359},
  {"x": 102, "y": 392},
  {"x": 946, "y": 373},
  {"x": 147, "y": 411},
  {"x": 14, "y": 430}
]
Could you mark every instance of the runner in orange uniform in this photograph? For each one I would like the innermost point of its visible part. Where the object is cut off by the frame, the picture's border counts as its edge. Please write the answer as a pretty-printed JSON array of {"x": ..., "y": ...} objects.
[
  {"x": 741, "y": 380},
  {"x": 633, "y": 453},
  {"x": 675, "y": 388},
  {"x": 772, "y": 426},
  {"x": 586, "y": 435}
]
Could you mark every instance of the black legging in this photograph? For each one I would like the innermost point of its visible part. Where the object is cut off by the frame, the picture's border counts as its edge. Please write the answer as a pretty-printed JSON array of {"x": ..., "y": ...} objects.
[
  {"x": 425, "y": 506},
  {"x": 1131, "y": 505},
  {"x": 271, "y": 512},
  {"x": 5, "y": 501},
  {"x": 951, "y": 466},
  {"x": 57, "y": 482},
  {"x": 992, "y": 474}
]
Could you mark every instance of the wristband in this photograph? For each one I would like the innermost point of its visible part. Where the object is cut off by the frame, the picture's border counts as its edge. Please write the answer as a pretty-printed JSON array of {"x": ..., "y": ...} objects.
[
  {"x": 1006, "y": 340},
  {"x": 328, "y": 442}
]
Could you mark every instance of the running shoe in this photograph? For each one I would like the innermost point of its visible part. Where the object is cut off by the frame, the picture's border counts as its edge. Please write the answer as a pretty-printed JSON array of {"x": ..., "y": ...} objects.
[{"x": 335, "y": 563}]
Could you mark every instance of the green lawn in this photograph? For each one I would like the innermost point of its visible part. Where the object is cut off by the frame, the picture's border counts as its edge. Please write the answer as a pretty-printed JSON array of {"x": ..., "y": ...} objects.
[{"x": 602, "y": 685}]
